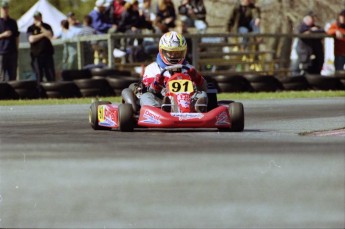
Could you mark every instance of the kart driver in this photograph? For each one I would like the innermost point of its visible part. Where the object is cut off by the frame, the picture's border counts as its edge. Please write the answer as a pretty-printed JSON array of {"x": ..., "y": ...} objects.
[{"x": 172, "y": 51}]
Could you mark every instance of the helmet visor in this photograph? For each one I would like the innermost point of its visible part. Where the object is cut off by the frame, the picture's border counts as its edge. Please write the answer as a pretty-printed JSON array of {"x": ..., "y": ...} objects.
[{"x": 174, "y": 57}]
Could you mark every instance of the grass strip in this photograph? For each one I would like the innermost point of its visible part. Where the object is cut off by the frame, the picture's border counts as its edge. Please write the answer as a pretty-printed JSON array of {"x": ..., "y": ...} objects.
[{"x": 232, "y": 96}]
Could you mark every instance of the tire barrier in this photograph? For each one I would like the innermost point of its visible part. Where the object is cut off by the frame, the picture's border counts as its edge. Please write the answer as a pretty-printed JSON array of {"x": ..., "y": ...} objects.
[
  {"x": 94, "y": 87},
  {"x": 318, "y": 82},
  {"x": 296, "y": 83},
  {"x": 6, "y": 91},
  {"x": 63, "y": 89},
  {"x": 25, "y": 89},
  {"x": 105, "y": 72},
  {"x": 265, "y": 83},
  {"x": 70, "y": 75},
  {"x": 120, "y": 82},
  {"x": 82, "y": 83},
  {"x": 232, "y": 83}
]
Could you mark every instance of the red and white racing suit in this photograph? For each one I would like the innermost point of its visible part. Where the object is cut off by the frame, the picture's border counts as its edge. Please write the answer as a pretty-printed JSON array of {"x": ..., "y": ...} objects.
[{"x": 151, "y": 97}]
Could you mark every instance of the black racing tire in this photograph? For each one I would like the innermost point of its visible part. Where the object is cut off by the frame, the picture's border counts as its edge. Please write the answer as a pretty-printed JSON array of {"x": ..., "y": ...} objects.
[
  {"x": 23, "y": 84},
  {"x": 62, "y": 89},
  {"x": 264, "y": 87},
  {"x": 126, "y": 120},
  {"x": 122, "y": 82},
  {"x": 73, "y": 74},
  {"x": 232, "y": 87},
  {"x": 319, "y": 82},
  {"x": 236, "y": 112},
  {"x": 91, "y": 83},
  {"x": 6, "y": 91},
  {"x": 225, "y": 102},
  {"x": 93, "y": 115},
  {"x": 53, "y": 94},
  {"x": 130, "y": 98},
  {"x": 264, "y": 83},
  {"x": 108, "y": 72},
  {"x": 91, "y": 92},
  {"x": 27, "y": 93}
]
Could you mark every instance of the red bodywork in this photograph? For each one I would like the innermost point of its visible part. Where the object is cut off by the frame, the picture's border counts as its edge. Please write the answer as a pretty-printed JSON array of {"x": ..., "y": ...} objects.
[{"x": 154, "y": 117}]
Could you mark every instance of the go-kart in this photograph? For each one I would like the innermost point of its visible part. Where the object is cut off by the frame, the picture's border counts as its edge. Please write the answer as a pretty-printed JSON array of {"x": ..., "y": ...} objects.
[{"x": 181, "y": 112}]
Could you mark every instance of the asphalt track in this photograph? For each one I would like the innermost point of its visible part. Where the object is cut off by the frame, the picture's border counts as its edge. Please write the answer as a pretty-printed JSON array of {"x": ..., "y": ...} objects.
[{"x": 55, "y": 171}]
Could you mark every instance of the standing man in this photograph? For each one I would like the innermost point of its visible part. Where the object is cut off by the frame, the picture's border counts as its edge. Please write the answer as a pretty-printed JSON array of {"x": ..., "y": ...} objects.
[
  {"x": 245, "y": 18},
  {"x": 9, "y": 40},
  {"x": 337, "y": 30},
  {"x": 42, "y": 50},
  {"x": 310, "y": 50}
]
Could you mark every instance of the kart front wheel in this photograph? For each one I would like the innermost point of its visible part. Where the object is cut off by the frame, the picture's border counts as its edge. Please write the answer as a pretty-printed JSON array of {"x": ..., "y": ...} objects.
[
  {"x": 93, "y": 115},
  {"x": 126, "y": 121},
  {"x": 236, "y": 112}
]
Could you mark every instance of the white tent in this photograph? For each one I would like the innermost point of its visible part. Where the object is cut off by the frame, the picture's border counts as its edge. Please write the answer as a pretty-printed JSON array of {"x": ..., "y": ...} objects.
[{"x": 50, "y": 15}]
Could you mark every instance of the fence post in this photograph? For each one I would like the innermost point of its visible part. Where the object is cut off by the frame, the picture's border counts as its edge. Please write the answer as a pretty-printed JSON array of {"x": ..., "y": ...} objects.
[
  {"x": 79, "y": 54},
  {"x": 195, "y": 51},
  {"x": 110, "y": 51}
]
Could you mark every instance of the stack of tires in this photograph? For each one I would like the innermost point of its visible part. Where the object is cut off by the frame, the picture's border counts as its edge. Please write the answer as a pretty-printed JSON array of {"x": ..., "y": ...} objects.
[
  {"x": 230, "y": 83},
  {"x": 318, "y": 82},
  {"x": 264, "y": 83},
  {"x": 268, "y": 83},
  {"x": 62, "y": 89},
  {"x": 24, "y": 89}
]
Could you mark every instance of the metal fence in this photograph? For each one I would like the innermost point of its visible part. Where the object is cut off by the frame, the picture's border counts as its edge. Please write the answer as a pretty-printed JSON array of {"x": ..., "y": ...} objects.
[{"x": 271, "y": 53}]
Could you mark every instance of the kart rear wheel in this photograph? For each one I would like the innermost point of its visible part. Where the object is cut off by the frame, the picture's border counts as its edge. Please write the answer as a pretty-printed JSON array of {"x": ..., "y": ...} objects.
[
  {"x": 93, "y": 115},
  {"x": 126, "y": 121},
  {"x": 236, "y": 112}
]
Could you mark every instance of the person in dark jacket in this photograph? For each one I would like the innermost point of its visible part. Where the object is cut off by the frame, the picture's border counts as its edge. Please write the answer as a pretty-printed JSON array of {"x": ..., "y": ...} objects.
[
  {"x": 9, "y": 39},
  {"x": 165, "y": 16},
  {"x": 193, "y": 14},
  {"x": 245, "y": 18},
  {"x": 310, "y": 50},
  {"x": 42, "y": 50},
  {"x": 99, "y": 19}
]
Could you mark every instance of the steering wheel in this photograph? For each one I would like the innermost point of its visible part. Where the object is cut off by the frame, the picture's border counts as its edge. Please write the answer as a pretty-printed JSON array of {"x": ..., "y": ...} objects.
[{"x": 174, "y": 67}]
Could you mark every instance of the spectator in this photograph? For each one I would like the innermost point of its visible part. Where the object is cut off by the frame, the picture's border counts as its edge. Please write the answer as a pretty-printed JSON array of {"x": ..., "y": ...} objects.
[
  {"x": 119, "y": 7},
  {"x": 86, "y": 28},
  {"x": 130, "y": 21},
  {"x": 337, "y": 30},
  {"x": 166, "y": 15},
  {"x": 310, "y": 50},
  {"x": 109, "y": 11},
  {"x": 193, "y": 14},
  {"x": 70, "y": 50},
  {"x": 42, "y": 50},
  {"x": 74, "y": 24},
  {"x": 99, "y": 19},
  {"x": 245, "y": 18},
  {"x": 9, "y": 39},
  {"x": 147, "y": 14},
  {"x": 145, "y": 9},
  {"x": 88, "y": 47}
]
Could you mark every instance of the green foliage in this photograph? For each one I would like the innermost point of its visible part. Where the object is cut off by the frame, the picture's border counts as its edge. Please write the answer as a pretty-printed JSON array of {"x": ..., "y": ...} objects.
[{"x": 79, "y": 7}]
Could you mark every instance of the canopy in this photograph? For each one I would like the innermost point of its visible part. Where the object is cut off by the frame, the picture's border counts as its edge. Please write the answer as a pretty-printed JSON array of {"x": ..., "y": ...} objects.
[{"x": 50, "y": 15}]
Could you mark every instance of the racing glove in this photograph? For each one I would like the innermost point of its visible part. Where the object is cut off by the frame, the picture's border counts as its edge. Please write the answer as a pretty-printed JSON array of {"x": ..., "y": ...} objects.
[
  {"x": 158, "y": 83},
  {"x": 195, "y": 76}
]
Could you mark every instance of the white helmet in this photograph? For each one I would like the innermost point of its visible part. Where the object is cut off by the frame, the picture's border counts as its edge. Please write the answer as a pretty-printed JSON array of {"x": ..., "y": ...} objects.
[{"x": 172, "y": 48}]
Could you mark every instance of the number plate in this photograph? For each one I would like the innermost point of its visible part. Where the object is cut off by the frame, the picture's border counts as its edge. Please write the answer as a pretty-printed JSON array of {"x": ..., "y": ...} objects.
[{"x": 179, "y": 86}]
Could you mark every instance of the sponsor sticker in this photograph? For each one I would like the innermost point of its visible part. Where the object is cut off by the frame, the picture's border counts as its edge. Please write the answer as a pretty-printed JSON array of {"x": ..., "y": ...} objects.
[
  {"x": 150, "y": 117},
  {"x": 223, "y": 119},
  {"x": 184, "y": 100},
  {"x": 187, "y": 116},
  {"x": 106, "y": 117}
]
